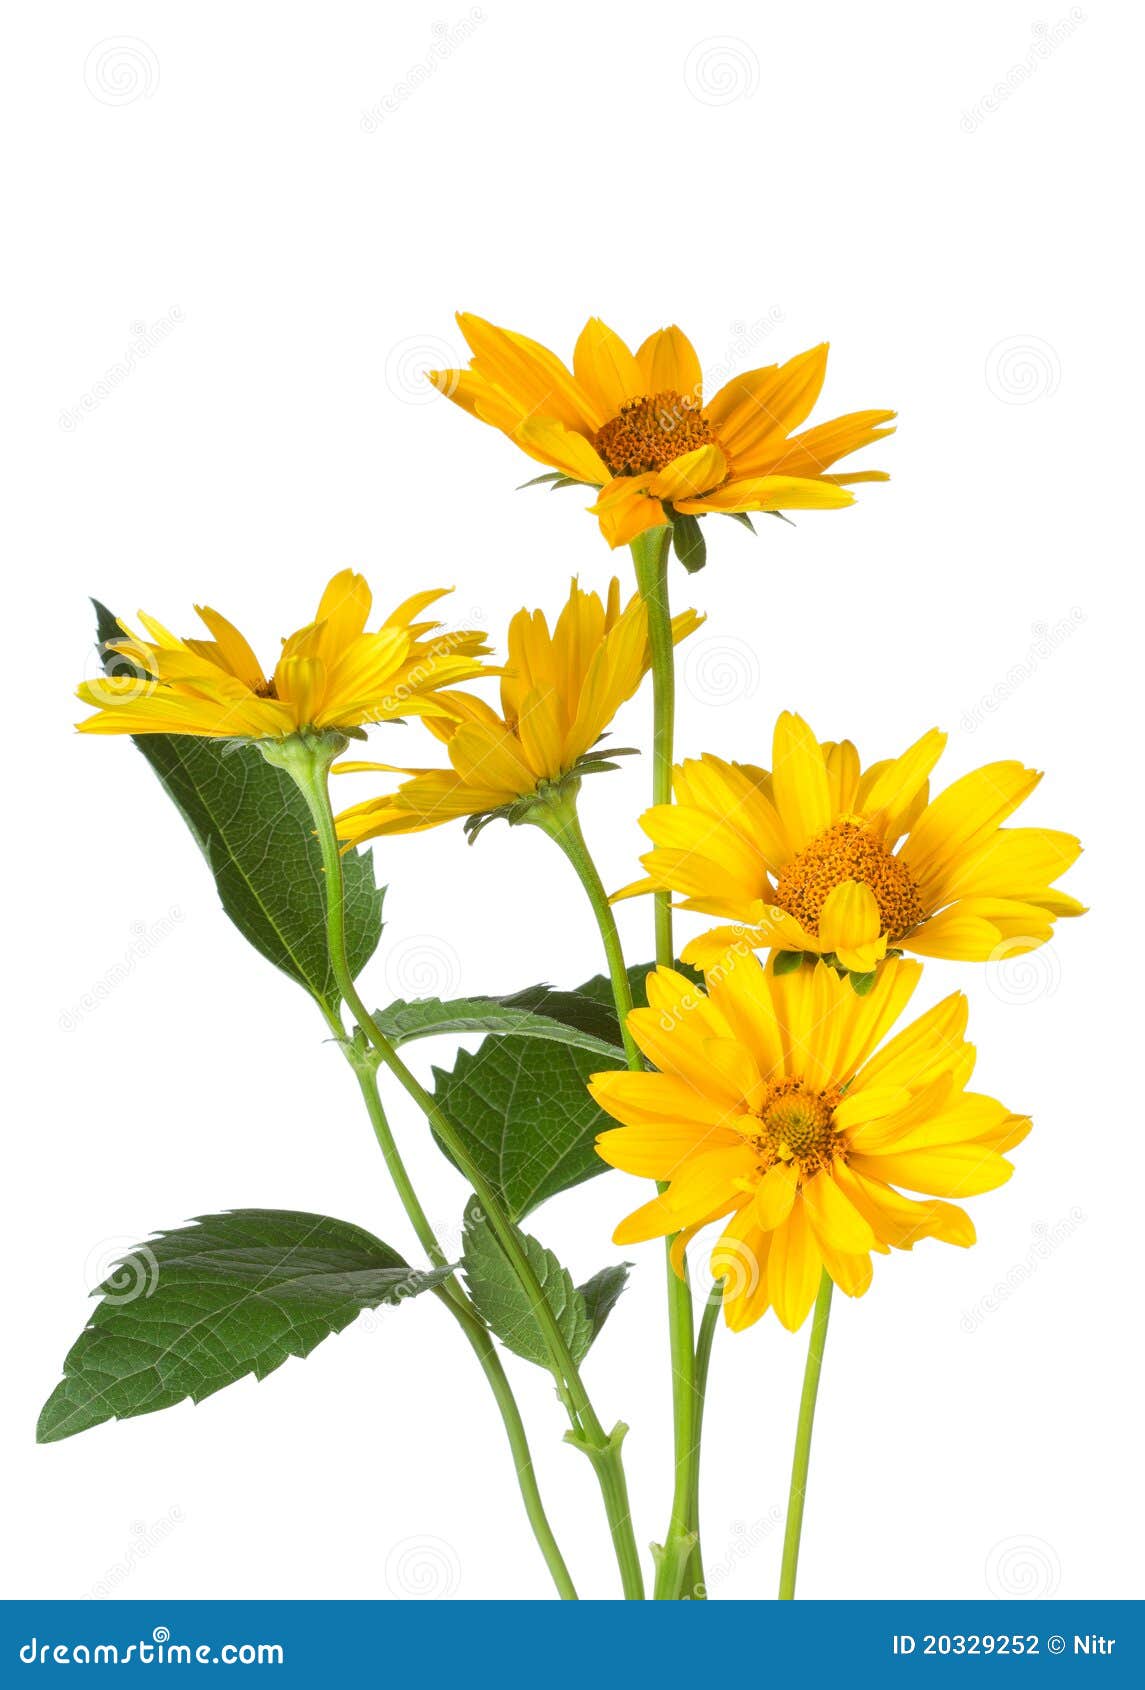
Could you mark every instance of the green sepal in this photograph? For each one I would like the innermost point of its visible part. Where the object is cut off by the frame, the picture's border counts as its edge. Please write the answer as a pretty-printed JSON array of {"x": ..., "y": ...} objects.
[
  {"x": 786, "y": 962},
  {"x": 688, "y": 542},
  {"x": 554, "y": 479}
]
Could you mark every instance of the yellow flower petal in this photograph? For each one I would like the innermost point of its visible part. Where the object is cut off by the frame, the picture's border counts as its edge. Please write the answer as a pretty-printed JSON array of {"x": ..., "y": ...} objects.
[{"x": 850, "y": 925}]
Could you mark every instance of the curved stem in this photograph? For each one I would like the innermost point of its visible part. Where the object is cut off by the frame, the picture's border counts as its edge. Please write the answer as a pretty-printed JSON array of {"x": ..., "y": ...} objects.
[
  {"x": 309, "y": 764},
  {"x": 802, "y": 1457},
  {"x": 680, "y": 1557},
  {"x": 451, "y": 1295},
  {"x": 704, "y": 1341},
  {"x": 560, "y": 821}
]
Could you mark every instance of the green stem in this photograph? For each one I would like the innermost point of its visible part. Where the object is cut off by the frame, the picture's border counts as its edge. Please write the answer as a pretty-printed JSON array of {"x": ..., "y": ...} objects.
[
  {"x": 650, "y": 555},
  {"x": 451, "y": 1295},
  {"x": 704, "y": 1341},
  {"x": 560, "y": 821},
  {"x": 308, "y": 762},
  {"x": 799, "y": 1465},
  {"x": 680, "y": 1557}
]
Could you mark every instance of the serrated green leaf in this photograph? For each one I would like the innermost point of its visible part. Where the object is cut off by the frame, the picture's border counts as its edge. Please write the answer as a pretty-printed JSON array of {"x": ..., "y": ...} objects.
[
  {"x": 521, "y": 1103},
  {"x": 602, "y": 1292},
  {"x": 252, "y": 825},
  {"x": 498, "y": 1297},
  {"x": 193, "y": 1310},
  {"x": 427, "y": 1017},
  {"x": 522, "y": 1108}
]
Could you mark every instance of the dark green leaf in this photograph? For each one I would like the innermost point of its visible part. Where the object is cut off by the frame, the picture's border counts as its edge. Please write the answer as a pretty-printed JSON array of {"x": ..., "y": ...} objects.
[
  {"x": 591, "y": 1007},
  {"x": 195, "y": 1309},
  {"x": 602, "y": 1292},
  {"x": 520, "y": 1102},
  {"x": 402, "y": 1021},
  {"x": 500, "y": 1300},
  {"x": 528, "y": 1123},
  {"x": 743, "y": 519},
  {"x": 688, "y": 542},
  {"x": 862, "y": 983},
  {"x": 252, "y": 825}
]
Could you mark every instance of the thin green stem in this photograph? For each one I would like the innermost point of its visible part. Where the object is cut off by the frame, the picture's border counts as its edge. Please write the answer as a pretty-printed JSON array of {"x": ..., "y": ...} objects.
[
  {"x": 704, "y": 1341},
  {"x": 309, "y": 767},
  {"x": 451, "y": 1295},
  {"x": 802, "y": 1457},
  {"x": 680, "y": 1557},
  {"x": 650, "y": 556},
  {"x": 560, "y": 821}
]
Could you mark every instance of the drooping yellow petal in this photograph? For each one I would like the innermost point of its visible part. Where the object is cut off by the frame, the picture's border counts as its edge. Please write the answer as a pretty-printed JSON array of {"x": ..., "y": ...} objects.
[{"x": 851, "y": 926}]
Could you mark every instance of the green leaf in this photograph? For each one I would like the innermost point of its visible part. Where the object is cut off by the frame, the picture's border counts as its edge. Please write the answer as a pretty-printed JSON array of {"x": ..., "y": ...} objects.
[
  {"x": 540, "y": 480},
  {"x": 195, "y": 1309},
  {"x": 528, "y": 1123},
  {"x": 591, "y": 1007},
  {"x": 520, "y": 1101},
  {"x": 688, "y": 542},
  {"x": 497, "y": 1295},
  {"x": 743, "y": 519},
  {"x": 251, "y": 823},
  {"x": 862, "y": 983},
  {"x": 402, "y": 1021},
  {"x": 602, "y": 1292}
]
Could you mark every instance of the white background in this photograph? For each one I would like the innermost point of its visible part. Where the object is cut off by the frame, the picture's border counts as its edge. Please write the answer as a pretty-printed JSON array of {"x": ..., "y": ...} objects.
[{"x": 941, "y": 193}]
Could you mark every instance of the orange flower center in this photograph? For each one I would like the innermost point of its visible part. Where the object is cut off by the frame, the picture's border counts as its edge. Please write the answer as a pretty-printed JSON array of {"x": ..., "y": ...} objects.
[
  {"x": 648, "y": 433},
  {"x": 796, "y": 1124},
  {"x": 848, "y": 852}
]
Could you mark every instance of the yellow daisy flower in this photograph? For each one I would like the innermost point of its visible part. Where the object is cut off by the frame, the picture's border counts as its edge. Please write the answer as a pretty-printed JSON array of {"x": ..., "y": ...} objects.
[
  {"x": 559, "y": 692},
  {"x": 821, "y": 856},
  {"x": 770, "y": 1113},
  {"x": 331, "y": 674},
  {"x": 636, "y": 426}
]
